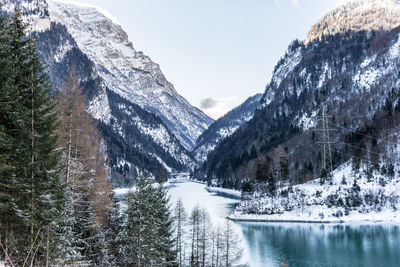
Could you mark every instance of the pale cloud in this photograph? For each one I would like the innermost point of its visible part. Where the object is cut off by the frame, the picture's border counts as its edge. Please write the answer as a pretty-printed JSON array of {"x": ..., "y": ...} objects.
[
  {"x": 280, "y": 3},
  {"x": 295, "y": 3},
  {"x": 216, "y": 108},
  {"x": 208, "y": 103}
]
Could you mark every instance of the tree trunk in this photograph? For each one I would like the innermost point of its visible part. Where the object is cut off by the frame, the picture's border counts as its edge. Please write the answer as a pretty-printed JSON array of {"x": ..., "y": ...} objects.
[
  {"x": 69, "y": 147},
  {"x": 139, "y": 241},
  {"x": 32, "y": 158},
  {"x": 47, "y": 247}
]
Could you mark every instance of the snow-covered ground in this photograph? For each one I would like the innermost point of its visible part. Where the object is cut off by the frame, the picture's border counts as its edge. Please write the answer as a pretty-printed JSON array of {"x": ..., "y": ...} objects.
[
  {"x": 376, "y": 200},
  {"x": 124, "y": 191}
]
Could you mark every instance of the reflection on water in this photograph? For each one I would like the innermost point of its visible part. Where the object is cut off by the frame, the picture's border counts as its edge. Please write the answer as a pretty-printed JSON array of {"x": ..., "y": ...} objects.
[
  {"x": 193, "y": 194},
  {"x": 322, "y": 245},
  {"x": 308, "y": 245}
]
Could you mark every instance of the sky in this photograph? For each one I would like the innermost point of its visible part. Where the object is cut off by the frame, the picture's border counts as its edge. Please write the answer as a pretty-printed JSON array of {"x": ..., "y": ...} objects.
[{"x": 217, "y": 53}]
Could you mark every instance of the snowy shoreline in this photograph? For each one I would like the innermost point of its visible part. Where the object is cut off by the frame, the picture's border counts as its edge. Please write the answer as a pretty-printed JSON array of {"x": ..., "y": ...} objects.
[
  {"x": 349, "y": 198},
  {"x": 255, "y": 218},
  {"x": 236, "y": 194}
]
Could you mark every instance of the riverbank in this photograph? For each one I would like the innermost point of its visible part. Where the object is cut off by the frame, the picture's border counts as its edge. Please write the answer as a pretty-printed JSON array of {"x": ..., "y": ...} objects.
[
  {"x": 285, "y": 218},
  {"x": 224, "y": 191},
  {"x": 348, "y": 198}
]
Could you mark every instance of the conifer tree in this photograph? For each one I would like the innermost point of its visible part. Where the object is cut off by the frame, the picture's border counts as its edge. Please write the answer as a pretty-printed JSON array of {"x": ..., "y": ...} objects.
[
  {"x": 113, "y": 236},
  {"x": 34, "y": 193},
  {"x": 147, "y": 237},
  {"x": 8, "y": 182}
]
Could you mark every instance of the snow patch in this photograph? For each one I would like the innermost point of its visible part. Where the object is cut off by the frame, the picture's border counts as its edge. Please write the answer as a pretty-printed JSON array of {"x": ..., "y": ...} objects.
[
  {"x": 368, "y": 77},
  {"x": 394, "y": 51},
  {"x": 306, "y": 122},
  {"x": 123, "y": 191},
  {"x": 103, "y": 11},
  {"x": 100, "y": 109},
  {"x": 290, "y": 62}
]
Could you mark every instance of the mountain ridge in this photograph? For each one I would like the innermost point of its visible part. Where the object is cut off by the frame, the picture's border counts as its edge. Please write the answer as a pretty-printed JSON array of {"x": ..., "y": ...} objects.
[
  {"x": 140, "y": 137},
  {"x": 225, "y": 126},
  {"x": 129, "y": 73},
  {"x": 357, "y": 15},
  {"x": 353, "y": 74}
]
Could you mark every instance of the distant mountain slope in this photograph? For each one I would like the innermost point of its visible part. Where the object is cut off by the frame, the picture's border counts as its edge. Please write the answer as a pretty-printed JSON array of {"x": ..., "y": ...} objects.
[
  {"x": 127, "y": 72},
  {"x": 225, "y": 126},
  {"x": 353, "y": 74},
  {"x": 357, "y": 15},
  {"x": 145, "y": 122}
]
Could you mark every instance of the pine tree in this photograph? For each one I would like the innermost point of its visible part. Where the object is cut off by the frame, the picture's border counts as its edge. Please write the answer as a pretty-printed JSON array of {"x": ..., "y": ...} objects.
[
  {"x": 147, "y": 236},
  {"x": 34, "y": 193},
  {"x": 8, "y": 128},
  {"x": 113, "y": 236}
]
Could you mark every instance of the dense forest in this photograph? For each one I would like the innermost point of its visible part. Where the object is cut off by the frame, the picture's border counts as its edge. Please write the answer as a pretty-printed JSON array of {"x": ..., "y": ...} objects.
[
  {"x": 56, "y": 202},
  {"x": 283, "y": 143}
]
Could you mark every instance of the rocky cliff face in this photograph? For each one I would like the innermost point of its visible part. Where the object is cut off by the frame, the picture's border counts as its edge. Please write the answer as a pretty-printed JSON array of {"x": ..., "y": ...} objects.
[
  {"x": 147, "y": 125},
  {"x": 359, "y": 15},
  {"x": 127, "y": 72}
]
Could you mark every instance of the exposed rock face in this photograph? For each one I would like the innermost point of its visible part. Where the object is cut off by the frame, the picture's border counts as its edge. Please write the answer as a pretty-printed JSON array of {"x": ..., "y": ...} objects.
[
  {"x": 358, "y": 15},
  {"x": 146, "y": 124},
  {"x": 127, "y": 72}
]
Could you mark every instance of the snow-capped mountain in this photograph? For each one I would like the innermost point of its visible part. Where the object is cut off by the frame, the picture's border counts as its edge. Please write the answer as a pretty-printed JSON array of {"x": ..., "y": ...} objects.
[
  {"x": 354, "y": 74},
  {"x": 147, "y": 125},
  {"x": 225, "y": 126},
  {"x": 127, "y": 72}
]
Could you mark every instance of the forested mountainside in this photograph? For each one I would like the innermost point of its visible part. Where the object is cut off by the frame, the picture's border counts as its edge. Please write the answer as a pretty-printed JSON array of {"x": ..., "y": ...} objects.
[
  {"x": 353, "y": 75},
  {"x": 146, "y": 123},
  {"x": 225, "y": 126}
]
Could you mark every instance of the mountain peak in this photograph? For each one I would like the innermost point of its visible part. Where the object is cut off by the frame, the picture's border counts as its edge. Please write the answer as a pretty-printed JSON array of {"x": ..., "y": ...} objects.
[
  {"x": 94, "y": 8},
  {"x": 357, "y": 15},
  {"x": 126, "y": 71}
]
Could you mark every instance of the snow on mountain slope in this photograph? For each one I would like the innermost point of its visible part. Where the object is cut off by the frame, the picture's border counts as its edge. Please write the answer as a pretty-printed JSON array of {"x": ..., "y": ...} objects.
[
  {"x": 225, "y": 126},
  {"x": 353, "y": 74},
  {"x": 34, "y": 12},
  {"x": 138, "y": 138},
  {"x": 127, "y": 72}
]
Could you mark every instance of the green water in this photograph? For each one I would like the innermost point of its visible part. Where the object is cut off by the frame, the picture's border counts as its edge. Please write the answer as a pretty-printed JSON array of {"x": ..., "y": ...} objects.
[
  {"x": 269, "y": 244},
  {"x": 308, "y": 245}
]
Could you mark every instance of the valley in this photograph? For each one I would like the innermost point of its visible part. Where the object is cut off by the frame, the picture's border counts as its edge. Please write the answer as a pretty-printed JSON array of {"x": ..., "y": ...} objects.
[{"x": 104, "y": 163}]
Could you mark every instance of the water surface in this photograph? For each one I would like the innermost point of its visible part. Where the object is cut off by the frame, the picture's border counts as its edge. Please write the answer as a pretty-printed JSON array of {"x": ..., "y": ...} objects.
[{"x": 308, "y": 245}]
